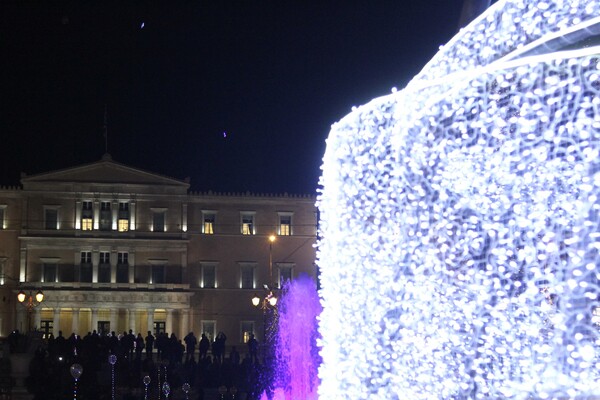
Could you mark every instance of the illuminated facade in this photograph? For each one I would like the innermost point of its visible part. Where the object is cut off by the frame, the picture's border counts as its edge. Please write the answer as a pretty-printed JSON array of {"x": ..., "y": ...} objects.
[
  {"x": 116, "y": 248},
  {"x": 460, "y": 215}
]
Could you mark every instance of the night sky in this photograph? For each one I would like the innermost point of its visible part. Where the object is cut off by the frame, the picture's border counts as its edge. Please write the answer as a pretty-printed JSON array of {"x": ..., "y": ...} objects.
[{"x": 238, "y": 96}]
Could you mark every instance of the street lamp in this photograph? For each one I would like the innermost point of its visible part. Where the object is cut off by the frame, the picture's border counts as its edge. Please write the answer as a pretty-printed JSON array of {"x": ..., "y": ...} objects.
[
  {"x": 271, "y": 240},
  {"x": 268, "y": 305},
  {"x": 29, "y": 303},
  {"x": 268, "y": 302}
]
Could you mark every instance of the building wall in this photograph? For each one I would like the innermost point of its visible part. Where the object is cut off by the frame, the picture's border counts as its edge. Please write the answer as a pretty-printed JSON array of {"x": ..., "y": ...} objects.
[{"x": 200, "y": 272}]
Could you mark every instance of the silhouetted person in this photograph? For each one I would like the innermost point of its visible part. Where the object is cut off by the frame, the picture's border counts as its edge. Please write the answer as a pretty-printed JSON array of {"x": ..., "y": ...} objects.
[
  {"x": 219, "y": 347},
  {"x": 161, "y": 343},
  {"x": 149, "y": 344},
  {"x": 190, "y": 344},
  {"x": 139, "y": 346},
  {"x": 204, "y": 346},
  {"x": 130, "y": 343},
  {"x": 253, "y": 348},
  {"x": 61, "y": 344}
]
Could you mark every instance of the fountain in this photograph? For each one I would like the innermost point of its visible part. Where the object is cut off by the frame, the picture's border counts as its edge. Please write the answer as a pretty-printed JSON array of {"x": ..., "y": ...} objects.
[
  {"x": 460, "y": 219},
  {"x": 297, "y": 358}
]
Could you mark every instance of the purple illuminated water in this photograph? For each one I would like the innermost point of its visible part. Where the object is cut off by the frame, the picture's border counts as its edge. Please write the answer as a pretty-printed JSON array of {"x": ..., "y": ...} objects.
[{"x": 297, "y": 356}]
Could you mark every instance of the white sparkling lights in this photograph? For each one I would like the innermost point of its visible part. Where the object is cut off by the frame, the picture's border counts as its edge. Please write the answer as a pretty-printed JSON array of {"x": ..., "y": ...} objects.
[{"x": 460, "y": 227}]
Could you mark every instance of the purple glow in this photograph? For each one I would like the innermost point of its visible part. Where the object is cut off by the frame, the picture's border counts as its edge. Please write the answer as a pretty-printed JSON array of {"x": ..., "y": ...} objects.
[{"x": 297, "y": 356}]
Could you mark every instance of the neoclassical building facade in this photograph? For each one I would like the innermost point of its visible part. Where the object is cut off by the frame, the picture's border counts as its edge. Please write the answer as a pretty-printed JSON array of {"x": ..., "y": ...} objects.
[{"x": 115, "y": 248}]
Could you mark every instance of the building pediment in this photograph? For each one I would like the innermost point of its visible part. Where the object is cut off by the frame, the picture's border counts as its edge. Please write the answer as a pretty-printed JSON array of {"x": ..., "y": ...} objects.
[{"x": 105, "y": 174}]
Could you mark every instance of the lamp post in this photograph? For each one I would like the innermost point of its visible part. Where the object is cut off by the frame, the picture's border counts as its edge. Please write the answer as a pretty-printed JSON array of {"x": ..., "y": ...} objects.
[
  {"x": 268, "y": 304},
  {"x": 29, "y": 301},
  {"x": 271, "y": 240}
]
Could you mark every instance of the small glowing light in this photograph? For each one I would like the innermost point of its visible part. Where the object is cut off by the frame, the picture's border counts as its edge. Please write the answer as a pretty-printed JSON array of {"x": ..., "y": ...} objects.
[{"x": 21, "y": 296}]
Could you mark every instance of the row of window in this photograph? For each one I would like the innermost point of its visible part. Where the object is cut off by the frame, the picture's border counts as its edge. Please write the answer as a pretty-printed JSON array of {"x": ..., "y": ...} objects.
[
  {"x": 284, "y": 273},
  {"x": 208, "y": 276},
  {"x": 123, "y": 222}
]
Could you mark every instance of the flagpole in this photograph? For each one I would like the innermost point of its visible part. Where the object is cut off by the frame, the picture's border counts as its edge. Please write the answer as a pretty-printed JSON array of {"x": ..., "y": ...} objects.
[{"x": 105, "y": 129}]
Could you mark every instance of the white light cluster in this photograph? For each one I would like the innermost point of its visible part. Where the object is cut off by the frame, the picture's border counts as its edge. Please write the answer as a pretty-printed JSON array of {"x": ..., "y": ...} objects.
[{"x": 460, "y": 222}]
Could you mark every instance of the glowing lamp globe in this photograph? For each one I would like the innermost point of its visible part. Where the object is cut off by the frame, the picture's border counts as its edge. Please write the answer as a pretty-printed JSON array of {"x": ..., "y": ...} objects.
[
  {"x": 272, "y": 301},
  {"x": 21, "y": 296}
]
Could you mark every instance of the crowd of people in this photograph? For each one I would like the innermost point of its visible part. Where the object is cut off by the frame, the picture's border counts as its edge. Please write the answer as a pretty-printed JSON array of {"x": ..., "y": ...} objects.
[{"x": 203, "y": 364}]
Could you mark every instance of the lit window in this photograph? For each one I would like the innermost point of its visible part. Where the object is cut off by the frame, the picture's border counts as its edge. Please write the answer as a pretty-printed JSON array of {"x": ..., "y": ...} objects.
[
  {"x": 86, "y": 224},
  {"x": 247, "y": 328},
  {"x": 208, "y": 223},
  {"x": 46, "y": 327},
  {"x": 285, "y": 224},
  {"x": 87, "y": 216},
  {"x": 247, "y": 224},
  {"x": 123, "y": 223}
]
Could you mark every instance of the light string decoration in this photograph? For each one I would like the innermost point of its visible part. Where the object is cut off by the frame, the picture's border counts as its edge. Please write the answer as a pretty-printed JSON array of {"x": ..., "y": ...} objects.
[
  {"x": 76, "y": 370},
  {"x": 158, "y": 381},
  {"x": 146, "y": 382},
  {"x": 186, "y": 389},
  {"x": 460, "y": 221},
  {"x": 112, "y": 360},
  {"x": 164, "y": 387}
]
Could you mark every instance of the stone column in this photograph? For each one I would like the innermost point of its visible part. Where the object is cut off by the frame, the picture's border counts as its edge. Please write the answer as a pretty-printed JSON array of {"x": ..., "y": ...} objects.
[
  {"x": 113, "y": 267},
  {"x": 96, "y": 211},
  {"x": 114, "y": 208},
  {"x": 169, "y": 322},
  {"x": 37, "y": 318},
  {"x": 23, "y": 265},
  {"x": 95, "y": 262},
  {"x": 56, "y": 322},
  {"x": 21, "y": 319},
  {"x": 75, "y": 322},
  {"x": 132, "y": 320},
  {"x": 150, "y": 317},
  {"x": 78, "y": 215},
  {"x": 184, "y": 323},
  {"x": 184, "y": 271},
  {"x": 131, "y": 267},
  {"x": 113, "y": 321},
  {"x": 132, "y": 216},
  {"x": 94, "y": 320}
]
